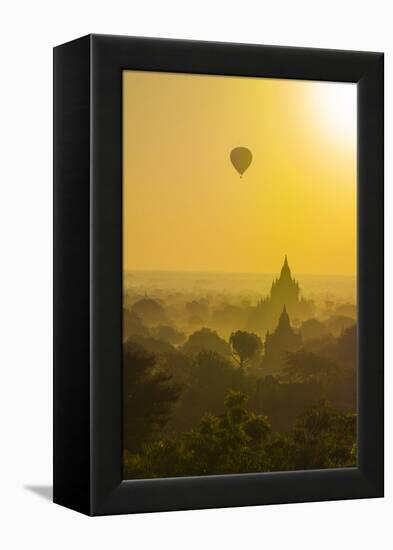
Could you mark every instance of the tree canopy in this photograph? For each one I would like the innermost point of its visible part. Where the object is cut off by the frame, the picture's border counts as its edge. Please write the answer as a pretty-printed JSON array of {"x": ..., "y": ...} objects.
[
  {"x": 206, "y": 339},
  {"x": 240, "y": 441},
  {"x": 169, "y": 334},
  {"x": 304, "y": 367},
  {"x": 150, "y": 311},
  {"x": 148, "y": 396},
  {"x": 244, "y": 346}
]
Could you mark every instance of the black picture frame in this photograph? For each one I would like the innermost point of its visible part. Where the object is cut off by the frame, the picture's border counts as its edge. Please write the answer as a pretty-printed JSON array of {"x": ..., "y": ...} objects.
[{"x": 88, "y": 274}]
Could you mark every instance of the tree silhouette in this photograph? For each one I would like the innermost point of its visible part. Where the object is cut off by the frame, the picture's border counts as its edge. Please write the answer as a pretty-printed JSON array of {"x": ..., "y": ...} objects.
[
  {"x": 209, "y": 381},
  {"x": 324, "y": 438},
  {"x": 241, "y": 441},
  {"x": 345, "y": 349},
  {"x": 231, "y": 443},
  {"x": 338, "y": 323},
  {"x": 148, "y": 396},
  {"x": 244, "y": 346},
  {"x": 208, "y": 340},
  {"x": 150, "y": 311},
  {"x": 132, "y": 324},
  {"x": 169, "y": 334},
  {"x": 197, "y": 311},
  {"x": 304, "y": 367},
  {"x": 312, "y": 329}
]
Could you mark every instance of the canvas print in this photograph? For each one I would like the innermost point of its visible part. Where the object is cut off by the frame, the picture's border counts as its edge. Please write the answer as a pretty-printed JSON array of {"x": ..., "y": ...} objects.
[{"x": 239, "y": 275}]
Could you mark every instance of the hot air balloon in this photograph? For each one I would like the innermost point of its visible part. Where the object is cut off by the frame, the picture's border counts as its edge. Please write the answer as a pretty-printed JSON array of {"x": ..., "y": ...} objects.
[{"x": 241, "y": 158}]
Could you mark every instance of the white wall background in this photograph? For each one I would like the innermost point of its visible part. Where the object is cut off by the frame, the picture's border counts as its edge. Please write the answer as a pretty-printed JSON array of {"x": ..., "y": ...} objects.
[{"x": 29, "y": 30}]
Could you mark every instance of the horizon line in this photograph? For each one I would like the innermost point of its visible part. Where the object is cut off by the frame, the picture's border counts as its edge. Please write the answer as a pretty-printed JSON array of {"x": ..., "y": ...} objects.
[{"x": 277, "y": 273}]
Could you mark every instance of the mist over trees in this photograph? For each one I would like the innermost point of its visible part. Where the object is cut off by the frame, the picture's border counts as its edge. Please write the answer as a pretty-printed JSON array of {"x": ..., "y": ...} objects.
[
  {"x": 219, "y": 383},
  {"x": 150, "y": 311},
  {"x": 169, "y": 334}
]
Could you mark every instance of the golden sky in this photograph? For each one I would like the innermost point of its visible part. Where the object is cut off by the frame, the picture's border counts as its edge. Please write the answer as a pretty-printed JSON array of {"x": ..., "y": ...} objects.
[{"x": 185, "y": 207}]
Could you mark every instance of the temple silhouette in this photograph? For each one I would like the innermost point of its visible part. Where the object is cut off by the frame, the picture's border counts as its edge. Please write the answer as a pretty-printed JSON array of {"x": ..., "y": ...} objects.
[
  {"x": 285, "y": 288},
  {"x": 277, "y": 344},
  {"x": 285, "y": 291}
]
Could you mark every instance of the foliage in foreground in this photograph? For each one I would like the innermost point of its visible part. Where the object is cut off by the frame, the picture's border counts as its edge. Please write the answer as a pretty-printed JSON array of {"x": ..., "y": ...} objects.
[
  {"x": 240, "y": 441},
  {"x": 148, "y": 396}
]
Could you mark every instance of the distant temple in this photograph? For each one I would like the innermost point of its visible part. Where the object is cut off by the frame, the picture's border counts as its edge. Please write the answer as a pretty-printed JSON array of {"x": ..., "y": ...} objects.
[
  {"x": 277, "y": 344},
  {"x": 285, "y": 291}
]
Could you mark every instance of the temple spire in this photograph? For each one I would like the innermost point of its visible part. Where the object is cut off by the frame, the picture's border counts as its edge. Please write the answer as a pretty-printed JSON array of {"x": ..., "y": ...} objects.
[
  {"x": 285, "y": 270},
  {"x": 284, "y": 319}
]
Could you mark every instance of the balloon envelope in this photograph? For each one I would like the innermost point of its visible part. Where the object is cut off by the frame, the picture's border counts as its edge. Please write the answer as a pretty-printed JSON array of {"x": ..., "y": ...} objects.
[{"x": 241, "y": 158}]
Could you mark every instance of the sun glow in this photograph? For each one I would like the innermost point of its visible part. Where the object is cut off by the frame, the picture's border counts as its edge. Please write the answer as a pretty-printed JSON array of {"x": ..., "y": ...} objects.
[
  {"x": 186, "y": 207},
  {"x": 336, "y": 105}
]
